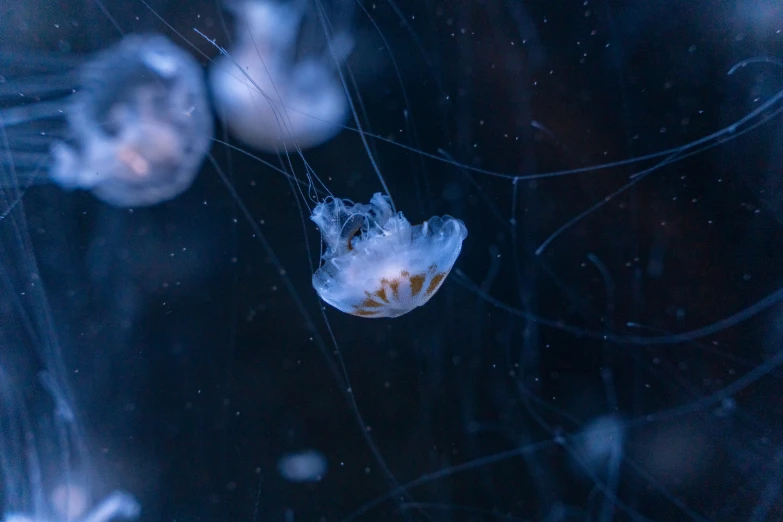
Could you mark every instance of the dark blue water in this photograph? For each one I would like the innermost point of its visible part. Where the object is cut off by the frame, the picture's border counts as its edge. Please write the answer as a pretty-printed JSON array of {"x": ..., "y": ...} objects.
[{"x": 198, "y": 353}]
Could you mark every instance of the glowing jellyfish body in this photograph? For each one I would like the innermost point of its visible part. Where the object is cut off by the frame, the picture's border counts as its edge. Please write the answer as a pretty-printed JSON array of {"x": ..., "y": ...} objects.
[
  {"x": 138, "y": 126},
  {"x": 269, "y": 97},
  {"x": 376, "y": 263}
]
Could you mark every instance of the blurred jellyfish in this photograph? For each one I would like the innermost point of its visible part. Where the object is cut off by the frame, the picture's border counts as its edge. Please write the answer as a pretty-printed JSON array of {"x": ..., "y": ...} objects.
[
  {"x": 304, "y": 466},
  {"x": 138, "y": 124},
  {"x": 376, "y": 264},
  {"x": 269, "y": 96}
]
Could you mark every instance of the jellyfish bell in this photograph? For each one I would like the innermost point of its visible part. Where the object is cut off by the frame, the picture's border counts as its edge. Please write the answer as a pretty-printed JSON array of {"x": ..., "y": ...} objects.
[
  {"x": 141, "y": 124},
  {"x": 138, "y": 126},
  {"x": 376, "y": 264},
  {"x": 269, "y": 97}
]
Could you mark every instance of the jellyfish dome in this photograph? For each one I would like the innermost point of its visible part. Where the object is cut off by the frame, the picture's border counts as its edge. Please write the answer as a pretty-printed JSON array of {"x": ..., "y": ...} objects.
[
  {"x": 140, "y": 124},
  {"x": 376, "y": 264},
  {"x": 269, "y": 97}
]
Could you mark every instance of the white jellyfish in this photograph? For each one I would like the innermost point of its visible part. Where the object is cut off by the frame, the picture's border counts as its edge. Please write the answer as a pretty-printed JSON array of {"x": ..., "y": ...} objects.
[
  {"x": 275, "y": 99},
  {"x": 138, "y": 124},
  {"x": 376, "y": 264}
]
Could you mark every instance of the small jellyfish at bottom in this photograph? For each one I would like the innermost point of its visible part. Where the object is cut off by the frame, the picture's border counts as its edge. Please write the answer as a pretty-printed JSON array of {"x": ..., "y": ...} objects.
[
  {"x": 132, "y": 124},
  {"x": 376, "y": 263},
  {"x": 271, "y": 95}
]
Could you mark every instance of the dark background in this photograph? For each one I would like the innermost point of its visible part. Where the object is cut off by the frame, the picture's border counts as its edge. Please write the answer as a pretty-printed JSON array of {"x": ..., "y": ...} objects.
[{"x": 194, "y": 369}]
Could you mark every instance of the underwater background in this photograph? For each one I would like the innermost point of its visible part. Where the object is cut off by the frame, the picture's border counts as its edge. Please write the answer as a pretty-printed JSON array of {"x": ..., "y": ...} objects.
[{"x": 542, "y": 381}]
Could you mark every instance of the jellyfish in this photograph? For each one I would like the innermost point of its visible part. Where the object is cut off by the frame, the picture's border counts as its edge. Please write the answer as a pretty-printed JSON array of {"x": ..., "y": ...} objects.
[
  {"x": 270, "y": 97},
  {"x": 137, "y": 124},
  {"x": 376, "y": 264}
]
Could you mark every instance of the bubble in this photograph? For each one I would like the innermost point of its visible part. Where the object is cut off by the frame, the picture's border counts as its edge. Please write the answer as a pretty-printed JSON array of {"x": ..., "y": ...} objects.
[{"x": 304, "y": 466}]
